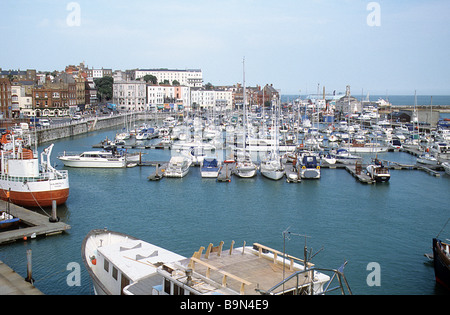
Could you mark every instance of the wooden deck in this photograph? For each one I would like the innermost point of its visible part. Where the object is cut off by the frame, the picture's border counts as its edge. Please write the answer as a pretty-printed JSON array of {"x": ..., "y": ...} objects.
[
  {"x": 12, "y": 283},
  {"x": 37, "y": 224}
]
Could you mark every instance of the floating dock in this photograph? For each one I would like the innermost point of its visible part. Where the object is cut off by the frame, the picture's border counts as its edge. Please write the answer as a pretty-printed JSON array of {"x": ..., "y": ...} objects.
[
  {"x": 225, "y": 173},
  {"x": 36, "y": 224}
]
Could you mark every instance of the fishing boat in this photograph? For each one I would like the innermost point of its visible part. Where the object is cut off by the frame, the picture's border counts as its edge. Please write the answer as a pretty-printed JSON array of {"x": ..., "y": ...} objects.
[
  {"x": 119, "y": 264},
  {"x": 178, "y": 166},
  {"x": 310, "y": 168},
  {"x": 441, "y": 262},
  {"x": 27, "y": 181},
  {"x": 93, "y": 159},
  {"x": 210, "y": 168},
  {"x": 378, "y": 172}
]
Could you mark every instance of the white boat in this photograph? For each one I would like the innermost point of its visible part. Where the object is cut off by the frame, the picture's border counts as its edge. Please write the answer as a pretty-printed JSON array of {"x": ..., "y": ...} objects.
[
  {"x": 272, "y": 167},
  {"x": 119, "y": 264},
  {"x": 93, "y": 159},
  {"x": 27, "y": 181},
  {"x": 210, "y": 168},
  {"x": 178, "y": 166},
  {"x": 343, "y": 156},
  {"x": 427, "y": 159},
  {"x": 378, "y": 172},
  {"x": 115, "y": 260},
  {"x": 446, "y": 166},
  {"x": 245, "y": 168}
]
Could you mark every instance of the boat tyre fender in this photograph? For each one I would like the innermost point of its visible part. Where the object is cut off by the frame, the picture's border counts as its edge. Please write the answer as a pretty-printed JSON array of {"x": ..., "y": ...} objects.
[
  {"x": 303, "y": 167},
  {"x": 318, "y": 167}
]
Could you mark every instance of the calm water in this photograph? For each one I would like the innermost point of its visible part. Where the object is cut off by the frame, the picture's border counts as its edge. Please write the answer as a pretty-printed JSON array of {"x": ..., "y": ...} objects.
[{"x": 391, "y": 224}]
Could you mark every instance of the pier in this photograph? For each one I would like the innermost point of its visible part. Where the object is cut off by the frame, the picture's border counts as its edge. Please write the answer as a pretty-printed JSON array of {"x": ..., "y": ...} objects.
[
  {"x": 12, "y": 283},
  {"x": 36, "y": 225}
]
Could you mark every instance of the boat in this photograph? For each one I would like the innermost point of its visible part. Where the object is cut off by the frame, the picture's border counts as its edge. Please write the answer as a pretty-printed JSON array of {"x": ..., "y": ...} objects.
[
  {"x": 427, "y": 159},
  {"x": 446, "y": 166},
  {"x": 178, "y": 166},
  {"x": 7, "y": 220},
  {"x": 310, "y": 168},
  {"x": 115, "y": 260},
  {"x": 441, "y": 262},
  {"x": 378, "y": 172},
  {"x": 27, "y": 181},
  {"x": 119, "y": 264},
  {"x": 244, "y": 167},
  {"x": 210, "y": 167},
  {"x": 343, "y": 156},
  {"x": 94, "y": 159},
  {"x": 272, "y": 167}
]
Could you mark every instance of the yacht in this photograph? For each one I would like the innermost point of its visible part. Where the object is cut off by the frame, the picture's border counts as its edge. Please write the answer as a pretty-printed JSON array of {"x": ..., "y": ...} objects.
[
  {"x": 210, "y": 168},
  {"x": 427, "y": 159},
  {"x": 119, "y": 264},
  {"x": 94, "y": 159},
  {"x": 446, "y": 166},
  {"x": 178, "y": 166},
  {"x": 272, "y": 167},
  {"x": 245, "y": 168}
]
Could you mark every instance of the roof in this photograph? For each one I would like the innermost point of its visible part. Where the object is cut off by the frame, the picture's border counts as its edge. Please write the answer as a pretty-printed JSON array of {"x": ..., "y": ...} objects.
[{"x": 137, "y": 258}]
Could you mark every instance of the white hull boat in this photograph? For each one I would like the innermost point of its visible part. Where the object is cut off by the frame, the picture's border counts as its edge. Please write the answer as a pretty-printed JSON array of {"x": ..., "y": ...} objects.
[
  {"x": 93, "y": 159},
  {"x": 178, "y": 167}
]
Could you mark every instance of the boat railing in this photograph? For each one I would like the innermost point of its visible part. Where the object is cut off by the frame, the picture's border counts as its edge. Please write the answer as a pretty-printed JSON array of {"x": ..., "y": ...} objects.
[
  {"x": 60, "y": 174},
  {"x": 303, "y": 288}
]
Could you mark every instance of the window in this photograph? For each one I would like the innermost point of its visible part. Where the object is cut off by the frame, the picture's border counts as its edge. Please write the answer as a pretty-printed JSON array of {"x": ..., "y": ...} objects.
[
  {"x": 114, "y": 273},
  {"x": 106, "y": 265}
]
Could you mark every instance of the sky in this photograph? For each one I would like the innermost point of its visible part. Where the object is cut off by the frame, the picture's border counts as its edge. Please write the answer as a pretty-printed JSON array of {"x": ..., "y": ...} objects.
[{"x": 377, "y": 47}]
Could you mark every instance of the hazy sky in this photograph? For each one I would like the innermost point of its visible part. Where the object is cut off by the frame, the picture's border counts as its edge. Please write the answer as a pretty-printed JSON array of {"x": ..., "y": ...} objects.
[{"x": 293, "y": 44}]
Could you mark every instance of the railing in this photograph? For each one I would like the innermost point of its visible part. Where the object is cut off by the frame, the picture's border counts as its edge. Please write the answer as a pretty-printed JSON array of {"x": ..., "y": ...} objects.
[{"x": 60, "y": 174}]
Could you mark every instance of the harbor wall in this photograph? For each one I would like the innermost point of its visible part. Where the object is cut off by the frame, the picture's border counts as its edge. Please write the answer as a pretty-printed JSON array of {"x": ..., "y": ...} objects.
[{"x": 74, "y": 128}]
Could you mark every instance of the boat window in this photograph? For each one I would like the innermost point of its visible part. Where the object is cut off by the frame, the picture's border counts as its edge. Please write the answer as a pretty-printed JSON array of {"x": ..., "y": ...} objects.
[
  {"x": 114, "y": 273},
  {"x": 177, "y": 290},
  {"x": 167, "y": 286},
  {"x": 106, "y": 265}
]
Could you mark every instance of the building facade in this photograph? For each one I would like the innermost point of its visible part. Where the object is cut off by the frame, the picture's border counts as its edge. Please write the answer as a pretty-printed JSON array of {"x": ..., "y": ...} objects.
[
  {"x": 130, "y": 95},
  {"x": 191, "y": 78},
  {"x": 5, "y": 98}
]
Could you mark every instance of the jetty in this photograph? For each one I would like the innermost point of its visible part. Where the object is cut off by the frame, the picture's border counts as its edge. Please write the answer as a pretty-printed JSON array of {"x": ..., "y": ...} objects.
[
  {"x": 12, "y": 283},
  {"x": 226, "y": 172},
  {"x": 33, "y": 224}
]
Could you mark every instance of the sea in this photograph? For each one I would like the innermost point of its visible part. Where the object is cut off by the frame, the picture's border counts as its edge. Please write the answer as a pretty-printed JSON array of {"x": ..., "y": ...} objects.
[{"x": 382, "y": 230}]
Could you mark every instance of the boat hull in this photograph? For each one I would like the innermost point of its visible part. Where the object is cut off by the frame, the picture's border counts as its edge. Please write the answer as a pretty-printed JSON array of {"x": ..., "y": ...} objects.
[
  {"x": 77, "y": 163},
  {"x": 35, "y": 194},
  {"x": 441, "y": 262}
]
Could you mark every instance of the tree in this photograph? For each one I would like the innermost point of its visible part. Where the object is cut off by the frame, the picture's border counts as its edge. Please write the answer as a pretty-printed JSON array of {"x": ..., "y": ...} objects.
[
  {"x": 150, "y": 78},
  {"x": 175, "y": 83},
  {"x": 209, "y": 86},
  {"x": 104, "y": 88}
]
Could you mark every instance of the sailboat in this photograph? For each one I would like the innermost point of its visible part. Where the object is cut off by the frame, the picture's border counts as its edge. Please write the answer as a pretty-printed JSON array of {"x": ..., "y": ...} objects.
[
  {"x": 245, "y": 167},
  {"x": 272, "y": 167}
]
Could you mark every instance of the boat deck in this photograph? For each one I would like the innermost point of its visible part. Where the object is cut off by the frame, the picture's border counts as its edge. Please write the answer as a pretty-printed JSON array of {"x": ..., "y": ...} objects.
[{"x": 246, "y": 270}]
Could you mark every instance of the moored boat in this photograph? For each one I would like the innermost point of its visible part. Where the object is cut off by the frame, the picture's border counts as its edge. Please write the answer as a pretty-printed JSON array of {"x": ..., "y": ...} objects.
[
  {"x": 210, "y": 168},
  {"x": 27, "y": 181},
  {"x": 446, "y": 166},
  {"x": 178, "y": 166},
  {"x": 441, "y": 262},
  {"x": 378, "y": 172},
  {"x": 93, "y": 159},
  {"x": 122, "y": 264}
]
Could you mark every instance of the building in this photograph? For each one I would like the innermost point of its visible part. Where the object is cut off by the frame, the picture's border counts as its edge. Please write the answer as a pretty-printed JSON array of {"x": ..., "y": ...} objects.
[
  {"x": 5, "y": 98},
  {"x": 167, "y": 97},
  {"x": 130, "y": 95},
  {"x": 191, "y": 78},
  {"x": 348, "y": 103},
  {"x": 55, "y": 98},
  {"x": 90, "y": 94},
  {"x": 18, "y": 75},
  {"x": 216, "y": 99},
  {"x": 99, "y": 73},
  {"x": 22, "y": 103}
]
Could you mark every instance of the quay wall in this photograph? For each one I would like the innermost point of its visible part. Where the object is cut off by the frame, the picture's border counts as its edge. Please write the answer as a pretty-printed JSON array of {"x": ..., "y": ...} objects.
[{"x": 83, "y": 126}]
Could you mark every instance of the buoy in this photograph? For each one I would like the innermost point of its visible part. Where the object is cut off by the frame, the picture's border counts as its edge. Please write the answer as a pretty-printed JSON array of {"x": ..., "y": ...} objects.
[{"x": 24, "y": 238}]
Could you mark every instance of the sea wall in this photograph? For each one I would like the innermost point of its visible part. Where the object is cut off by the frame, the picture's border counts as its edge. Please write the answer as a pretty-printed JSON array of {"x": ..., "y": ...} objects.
[{"x": 78, "y": 127}]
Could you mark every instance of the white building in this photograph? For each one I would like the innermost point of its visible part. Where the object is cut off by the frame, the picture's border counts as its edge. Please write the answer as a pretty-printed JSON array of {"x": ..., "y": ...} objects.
[
  {"x": 212, "y": 99},
  {"x": 169, "y": 97},
  {"x": 20, "y": 101},
  {"x": 130, "y": 95},
  {"x": 191, "y": 78},
  {"x": 99, "y": 73}
]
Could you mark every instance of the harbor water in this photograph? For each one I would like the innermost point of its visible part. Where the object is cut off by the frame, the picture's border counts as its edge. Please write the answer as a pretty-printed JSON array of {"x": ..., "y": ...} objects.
[{"x": 382, "y": 230}]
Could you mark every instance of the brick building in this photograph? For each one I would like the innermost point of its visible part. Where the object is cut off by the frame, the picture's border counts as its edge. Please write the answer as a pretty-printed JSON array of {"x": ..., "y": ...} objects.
[{"x": 5, "y": 98}]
